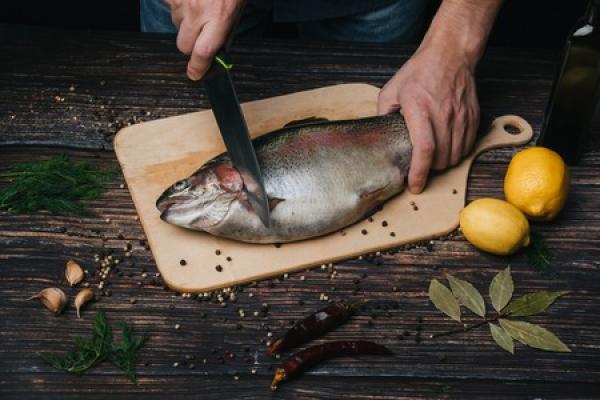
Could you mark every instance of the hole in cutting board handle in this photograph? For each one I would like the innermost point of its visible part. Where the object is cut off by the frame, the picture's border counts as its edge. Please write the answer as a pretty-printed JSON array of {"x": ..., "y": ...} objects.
[{"x": 511, "y": 128}]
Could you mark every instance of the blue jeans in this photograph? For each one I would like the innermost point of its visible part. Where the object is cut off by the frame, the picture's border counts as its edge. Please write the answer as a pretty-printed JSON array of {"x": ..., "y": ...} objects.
[{"x": 399, "y": 22}]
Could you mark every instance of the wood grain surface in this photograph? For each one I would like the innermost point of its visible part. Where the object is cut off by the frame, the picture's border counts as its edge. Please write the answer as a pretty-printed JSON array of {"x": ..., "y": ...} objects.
[{"x": 120, "y": 78}]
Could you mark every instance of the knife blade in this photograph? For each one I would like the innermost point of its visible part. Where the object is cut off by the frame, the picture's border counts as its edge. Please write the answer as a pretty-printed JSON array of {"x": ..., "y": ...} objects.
[{"x": 230, "y": 119}]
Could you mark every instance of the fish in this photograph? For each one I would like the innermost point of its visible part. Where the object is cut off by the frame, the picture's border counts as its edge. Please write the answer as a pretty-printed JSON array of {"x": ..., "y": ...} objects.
[{"x": 319, "y": 176}]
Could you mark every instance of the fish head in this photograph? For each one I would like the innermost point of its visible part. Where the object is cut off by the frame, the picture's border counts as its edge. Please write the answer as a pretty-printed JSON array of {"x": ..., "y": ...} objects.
[{"x": 203, "y": 199}]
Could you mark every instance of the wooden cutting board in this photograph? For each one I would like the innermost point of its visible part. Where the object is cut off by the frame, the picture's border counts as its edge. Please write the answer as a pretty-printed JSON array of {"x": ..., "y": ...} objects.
[{"x": 153, "y": 155}]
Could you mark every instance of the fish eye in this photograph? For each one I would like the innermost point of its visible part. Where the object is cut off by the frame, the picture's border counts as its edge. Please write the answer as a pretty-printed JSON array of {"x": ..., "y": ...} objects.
[{"x": 181, "y": 185}]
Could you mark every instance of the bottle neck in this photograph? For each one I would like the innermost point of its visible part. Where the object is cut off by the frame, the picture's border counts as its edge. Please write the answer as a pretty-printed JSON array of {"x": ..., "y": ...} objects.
[{"x": 592, "y": 13}]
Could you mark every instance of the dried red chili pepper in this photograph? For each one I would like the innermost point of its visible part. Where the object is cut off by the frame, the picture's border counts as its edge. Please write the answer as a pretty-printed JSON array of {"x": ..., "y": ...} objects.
[
  {"x": 313, "y": 326},
  {"x": 311, "y": 356}
]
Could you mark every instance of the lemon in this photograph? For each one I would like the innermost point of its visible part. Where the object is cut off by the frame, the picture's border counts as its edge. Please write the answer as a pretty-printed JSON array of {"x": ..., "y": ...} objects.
[
  {"x": 537, "y": 182},
  {"x": 495, "y": 226}
]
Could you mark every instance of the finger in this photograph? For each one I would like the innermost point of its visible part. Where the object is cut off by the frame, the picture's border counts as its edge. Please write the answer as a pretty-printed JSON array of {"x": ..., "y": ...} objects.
[
  {"x": 209, "y": 41},
  {"x": 473, "y": 124},
  {"x": 472, "y": 128},
  {"x": 387, "y": 101},
  {"x": 458, "y": 136},
  {"x": 187, "y": 35},
  {"x": 442, "y": 125},
  {"x": 421, "y": 135},
  {"x": 176, "y": 19}
]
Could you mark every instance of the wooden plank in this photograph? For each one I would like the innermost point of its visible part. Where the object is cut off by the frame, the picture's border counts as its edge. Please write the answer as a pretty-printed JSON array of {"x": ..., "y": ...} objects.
[{"x": 192, "y": 385}]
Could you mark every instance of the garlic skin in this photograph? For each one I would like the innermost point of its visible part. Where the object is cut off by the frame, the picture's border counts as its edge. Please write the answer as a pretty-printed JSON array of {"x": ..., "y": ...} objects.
[
  {"x": 73, "y": 273},
  {"x": 84, "y": 296},
  {"x": 53, "y": 298}
]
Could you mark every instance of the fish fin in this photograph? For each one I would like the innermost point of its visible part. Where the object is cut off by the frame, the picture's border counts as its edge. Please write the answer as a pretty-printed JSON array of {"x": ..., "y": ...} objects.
[
  {"x": 274, "y": 201},
  {"x": 305, "y": 121}
]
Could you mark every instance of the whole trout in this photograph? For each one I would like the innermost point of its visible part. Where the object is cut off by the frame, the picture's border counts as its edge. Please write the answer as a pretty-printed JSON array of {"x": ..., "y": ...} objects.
[{"x": 319, "y": 177}]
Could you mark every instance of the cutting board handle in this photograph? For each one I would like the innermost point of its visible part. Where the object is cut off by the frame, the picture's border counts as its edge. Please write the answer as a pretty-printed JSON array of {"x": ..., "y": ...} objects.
[{"x": 500, "y": 133}]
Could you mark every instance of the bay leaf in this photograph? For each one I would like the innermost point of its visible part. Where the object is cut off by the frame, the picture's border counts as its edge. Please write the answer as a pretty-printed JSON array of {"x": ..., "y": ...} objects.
[
  {"x": 468, "y": 295},
  {"x": 532, "y": 303},
  {"x": 533, "y": 335},
  {"x": 444, "y": 300},
  {"x": 502, "y": 338},
  {"x": 501, "y": 289}
]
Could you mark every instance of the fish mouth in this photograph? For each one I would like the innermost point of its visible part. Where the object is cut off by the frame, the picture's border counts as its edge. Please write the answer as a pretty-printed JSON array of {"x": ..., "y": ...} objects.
[
  {"x": 189, "y": 210},
  {"x": 167, "y": 201}
]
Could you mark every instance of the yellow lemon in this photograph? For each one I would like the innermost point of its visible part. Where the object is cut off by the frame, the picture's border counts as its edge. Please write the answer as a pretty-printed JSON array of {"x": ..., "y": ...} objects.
[
  {"x": 495, "y": 226},
  {"x": 537, "y": 182}
]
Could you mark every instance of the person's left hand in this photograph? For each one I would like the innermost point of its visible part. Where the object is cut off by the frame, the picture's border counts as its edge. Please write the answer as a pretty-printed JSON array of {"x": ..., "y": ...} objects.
[{"x": 435, "y": 91}]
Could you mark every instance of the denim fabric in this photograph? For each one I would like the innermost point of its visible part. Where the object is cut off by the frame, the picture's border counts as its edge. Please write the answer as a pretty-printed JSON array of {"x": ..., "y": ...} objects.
[
  {"x": 316, "y": 10},
  {"x": 155, "y": 16},
  {"x": 399, "y": 22}
]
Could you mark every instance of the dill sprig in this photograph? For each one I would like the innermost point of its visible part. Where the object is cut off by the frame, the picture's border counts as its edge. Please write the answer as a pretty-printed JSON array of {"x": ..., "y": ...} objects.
[
  {"x": 57, "y": 184},
  {"x": 538, "y": 254},
  {"x": 90, "y": 352},
  {"x": 123, "y": 355}
]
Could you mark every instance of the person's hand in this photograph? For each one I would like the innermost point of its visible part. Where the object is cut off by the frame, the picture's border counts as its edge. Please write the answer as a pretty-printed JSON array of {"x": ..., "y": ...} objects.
[
  {"x": 435, "y": 88},
  {"x": 203, "y": 29},
  {"x": 435, "y": 91}
]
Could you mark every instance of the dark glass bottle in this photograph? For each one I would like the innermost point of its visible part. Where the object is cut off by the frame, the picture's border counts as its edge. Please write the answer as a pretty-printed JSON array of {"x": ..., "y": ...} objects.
[{"x": 576, "y": 92}]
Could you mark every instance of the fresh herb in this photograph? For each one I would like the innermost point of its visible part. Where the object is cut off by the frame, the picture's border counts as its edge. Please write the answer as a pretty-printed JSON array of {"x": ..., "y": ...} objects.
[
  {"x": 538, "y": 254},
  {"x": 123, "y": 355},
  {"x": 501, "y": 290},
  {"x": 57, "y": 185},
  {"x": 87, "y": 352},
  {"x": 92, "y": 351}
]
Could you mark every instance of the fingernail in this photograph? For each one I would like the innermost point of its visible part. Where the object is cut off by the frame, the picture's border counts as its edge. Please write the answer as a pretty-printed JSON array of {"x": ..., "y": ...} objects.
[
  {"x": 415, "y": 189},
  {"x": 193, "y": 74}
]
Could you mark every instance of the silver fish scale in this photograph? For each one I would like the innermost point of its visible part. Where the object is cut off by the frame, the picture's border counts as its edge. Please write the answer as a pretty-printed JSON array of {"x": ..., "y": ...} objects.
[{"x": 325, "y": 177}]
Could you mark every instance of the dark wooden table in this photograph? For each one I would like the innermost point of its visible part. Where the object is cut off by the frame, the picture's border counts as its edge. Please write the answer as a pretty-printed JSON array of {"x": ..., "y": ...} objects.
[{"x": 69, "y": 92}]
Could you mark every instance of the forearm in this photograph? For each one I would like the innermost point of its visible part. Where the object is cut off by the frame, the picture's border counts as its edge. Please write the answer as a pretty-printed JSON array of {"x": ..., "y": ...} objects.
[{"x": 461, "y": 28}]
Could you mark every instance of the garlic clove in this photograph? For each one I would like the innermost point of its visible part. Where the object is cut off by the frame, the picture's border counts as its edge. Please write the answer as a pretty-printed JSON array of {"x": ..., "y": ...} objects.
[
  {"x": 84, "y": 296},
  {"x": 73, "y": 273},
  {"x": 54, "y": 299}
]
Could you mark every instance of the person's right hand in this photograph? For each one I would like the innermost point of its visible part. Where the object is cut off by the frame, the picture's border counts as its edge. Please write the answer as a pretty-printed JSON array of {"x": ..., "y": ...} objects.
[{"x": 203, "y": 29}]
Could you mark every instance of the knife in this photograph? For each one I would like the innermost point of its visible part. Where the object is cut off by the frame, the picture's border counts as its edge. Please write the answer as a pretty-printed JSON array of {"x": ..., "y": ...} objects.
[{"x": 230, "y": 119}]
